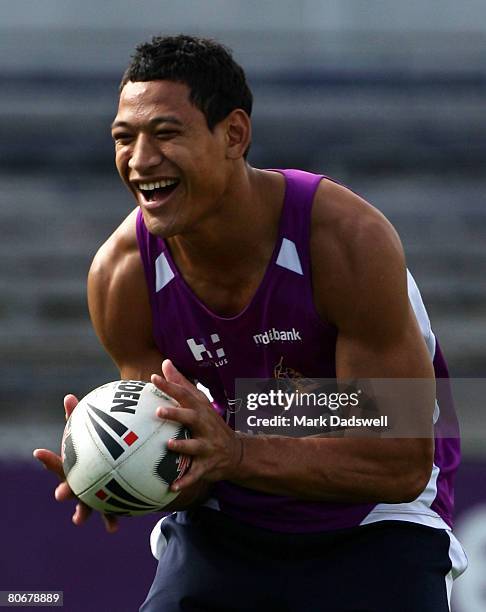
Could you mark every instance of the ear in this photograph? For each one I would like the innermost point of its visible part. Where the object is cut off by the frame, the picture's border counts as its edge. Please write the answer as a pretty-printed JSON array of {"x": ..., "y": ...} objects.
[{"x": 238, "y": 133}]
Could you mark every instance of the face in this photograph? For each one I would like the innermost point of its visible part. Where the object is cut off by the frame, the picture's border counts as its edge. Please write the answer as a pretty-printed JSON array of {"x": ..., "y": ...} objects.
[{"x": 176, "y": 168}]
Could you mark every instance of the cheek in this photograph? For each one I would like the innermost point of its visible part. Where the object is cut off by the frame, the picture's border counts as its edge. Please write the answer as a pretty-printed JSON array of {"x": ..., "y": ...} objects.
[
  {"x": 121, "y": 164},
  {"x": 121, "y": 161}
]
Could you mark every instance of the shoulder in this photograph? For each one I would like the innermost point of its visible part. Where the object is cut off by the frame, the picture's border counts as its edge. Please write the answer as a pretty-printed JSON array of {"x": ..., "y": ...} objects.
[
  {"x": 351, "y": 223},
  {"x": 356, "y": 254},
  {"x": 120, "y": 250}
]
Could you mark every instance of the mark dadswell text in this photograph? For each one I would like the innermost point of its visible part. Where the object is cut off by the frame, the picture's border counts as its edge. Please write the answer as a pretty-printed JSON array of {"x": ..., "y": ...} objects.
[{"x": 333, "y": 420}]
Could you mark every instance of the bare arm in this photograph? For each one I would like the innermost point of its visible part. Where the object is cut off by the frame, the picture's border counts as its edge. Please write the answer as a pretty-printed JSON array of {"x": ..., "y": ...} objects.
[
  {"x": 121, "y": 315},
  {"x": 362, "y": 289},
  {"x": 119, "y": 305},
  {"x": 360, "y": 286}
]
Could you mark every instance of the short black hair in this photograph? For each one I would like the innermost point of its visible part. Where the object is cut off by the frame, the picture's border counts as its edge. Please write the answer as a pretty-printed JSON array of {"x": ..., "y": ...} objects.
[{"x": 216, "y": 82}]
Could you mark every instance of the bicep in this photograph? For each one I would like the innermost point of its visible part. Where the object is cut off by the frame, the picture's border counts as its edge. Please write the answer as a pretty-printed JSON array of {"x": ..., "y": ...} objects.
[
  {"x": 363, "y": 292},
  {"x": 378, "y": 333},
  {"x": 383, "y": 349}
]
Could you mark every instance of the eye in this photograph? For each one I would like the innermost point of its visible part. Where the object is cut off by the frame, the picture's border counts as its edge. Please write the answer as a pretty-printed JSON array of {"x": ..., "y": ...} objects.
[
  {"x": 122, "y": 137},
  {"x": 166, "y": 134}
]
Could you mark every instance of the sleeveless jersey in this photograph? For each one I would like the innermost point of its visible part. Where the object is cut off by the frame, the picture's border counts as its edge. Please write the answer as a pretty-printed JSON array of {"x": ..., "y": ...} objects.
[{"x": 216, "y": 350}]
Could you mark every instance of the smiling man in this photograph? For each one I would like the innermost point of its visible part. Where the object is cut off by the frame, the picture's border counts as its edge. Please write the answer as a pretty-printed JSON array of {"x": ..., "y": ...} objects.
[{"x": 217, "y": 255}]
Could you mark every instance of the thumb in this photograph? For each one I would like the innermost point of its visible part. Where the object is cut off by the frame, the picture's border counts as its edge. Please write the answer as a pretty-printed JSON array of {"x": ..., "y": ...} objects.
[
  {"x": 70, "y": 403},
  {"x": 172, "y": 374}
]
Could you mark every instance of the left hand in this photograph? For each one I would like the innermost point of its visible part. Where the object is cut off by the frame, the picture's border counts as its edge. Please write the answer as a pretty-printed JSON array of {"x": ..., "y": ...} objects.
[
  {"x": 53, "y": 462},
  {"x": 216, "y": 450}
]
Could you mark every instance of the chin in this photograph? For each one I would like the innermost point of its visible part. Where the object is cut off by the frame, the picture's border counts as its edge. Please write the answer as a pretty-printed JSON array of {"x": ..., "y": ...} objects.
[{"x": 158, "y": 227}]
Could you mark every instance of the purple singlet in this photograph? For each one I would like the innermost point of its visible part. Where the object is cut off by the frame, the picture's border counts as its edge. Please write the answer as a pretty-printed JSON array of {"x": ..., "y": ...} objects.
[{"x": 216, "y": 350}]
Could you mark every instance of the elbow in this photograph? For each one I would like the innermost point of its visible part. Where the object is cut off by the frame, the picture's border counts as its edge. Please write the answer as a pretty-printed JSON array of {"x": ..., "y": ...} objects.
[
  {"x": 409, "y": 487},
  {"x": 411, "y": 479}
]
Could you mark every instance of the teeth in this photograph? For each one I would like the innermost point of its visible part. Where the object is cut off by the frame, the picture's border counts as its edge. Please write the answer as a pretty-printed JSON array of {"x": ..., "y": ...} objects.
[{"x": 157, "y": 185}]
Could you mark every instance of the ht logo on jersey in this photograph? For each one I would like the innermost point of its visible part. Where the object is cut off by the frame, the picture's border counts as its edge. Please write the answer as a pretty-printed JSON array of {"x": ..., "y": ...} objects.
[{"x": 202, "y": 351}]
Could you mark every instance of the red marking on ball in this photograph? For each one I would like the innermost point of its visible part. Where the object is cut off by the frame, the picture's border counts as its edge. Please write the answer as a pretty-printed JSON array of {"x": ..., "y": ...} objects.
[{"x": 130, "y": 438}]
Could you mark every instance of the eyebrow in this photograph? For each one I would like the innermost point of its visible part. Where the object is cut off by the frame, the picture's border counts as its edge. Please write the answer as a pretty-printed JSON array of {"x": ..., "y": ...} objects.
[{"x": 152, "y": 122}]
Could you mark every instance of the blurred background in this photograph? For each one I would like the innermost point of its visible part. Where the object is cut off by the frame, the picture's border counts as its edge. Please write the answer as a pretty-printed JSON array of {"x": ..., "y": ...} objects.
[{"x": 388, "y": 98}]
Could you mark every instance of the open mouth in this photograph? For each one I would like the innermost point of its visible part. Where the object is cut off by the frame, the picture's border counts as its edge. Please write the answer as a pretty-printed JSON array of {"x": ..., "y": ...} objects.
[{"x": 158, "y": 190}]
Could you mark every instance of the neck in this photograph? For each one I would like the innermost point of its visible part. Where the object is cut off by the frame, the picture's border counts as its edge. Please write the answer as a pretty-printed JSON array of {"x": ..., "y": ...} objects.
[{"x": 241, "y": 235}]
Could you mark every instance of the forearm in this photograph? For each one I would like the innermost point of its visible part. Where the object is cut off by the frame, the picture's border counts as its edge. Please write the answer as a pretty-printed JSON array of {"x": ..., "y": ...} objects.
[
  {"x": 336, "y": 469},
  {"x": 352, "y": 469}
]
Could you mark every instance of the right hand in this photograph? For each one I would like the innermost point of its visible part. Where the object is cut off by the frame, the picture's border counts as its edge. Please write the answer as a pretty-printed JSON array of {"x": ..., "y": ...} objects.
[{"x": 53, "y": 462}]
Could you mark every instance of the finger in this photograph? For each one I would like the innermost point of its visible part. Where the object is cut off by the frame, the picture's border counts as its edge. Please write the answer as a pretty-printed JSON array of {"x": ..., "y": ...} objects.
[
  {"x": 70, "y": 403},
  {"x": 50, "y": 461},
  {"x": 185, "y": 416},
  {"x": 173, "y": 375},
  {"x": 180, "y": 394},
  {"x": 190, "y": 478},
  {"x": 111, "y": 522},
  {"x": 186, "y": 447},
  {"x": 81, "y": 514},
  {"x": 63, "y": 492}
]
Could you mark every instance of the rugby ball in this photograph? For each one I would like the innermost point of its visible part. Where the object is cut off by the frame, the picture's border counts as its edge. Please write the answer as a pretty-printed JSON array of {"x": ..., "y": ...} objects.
[{"x": 114, "y": 449}]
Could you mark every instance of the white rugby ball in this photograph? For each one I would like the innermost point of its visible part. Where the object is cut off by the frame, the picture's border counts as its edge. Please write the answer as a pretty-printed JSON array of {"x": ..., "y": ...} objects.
[{"x": 114, "y": 449}]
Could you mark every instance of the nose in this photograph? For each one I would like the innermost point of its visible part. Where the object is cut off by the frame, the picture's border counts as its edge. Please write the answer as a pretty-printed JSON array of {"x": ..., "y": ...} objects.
[{"x": 145, "y": 154}]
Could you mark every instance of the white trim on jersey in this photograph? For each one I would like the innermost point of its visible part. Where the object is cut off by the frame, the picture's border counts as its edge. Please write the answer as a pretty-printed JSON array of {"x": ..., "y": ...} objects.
[
  {"x": 417, "y": 511},
  {"x": 163, "y": 272},
  {"x": 420, "y": 313},
  {"x": 288, "y": 257}
]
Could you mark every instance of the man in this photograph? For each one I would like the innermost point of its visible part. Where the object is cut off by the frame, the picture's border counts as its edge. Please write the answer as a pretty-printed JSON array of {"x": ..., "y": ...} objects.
[{"x": 216, "y": 254}]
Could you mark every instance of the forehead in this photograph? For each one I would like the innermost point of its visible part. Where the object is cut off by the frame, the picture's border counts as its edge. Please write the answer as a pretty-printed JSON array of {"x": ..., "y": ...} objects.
[{"x": 144, "y": 100}]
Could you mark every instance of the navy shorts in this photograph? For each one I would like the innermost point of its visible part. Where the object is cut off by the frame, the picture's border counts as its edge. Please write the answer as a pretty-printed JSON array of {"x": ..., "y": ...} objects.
[{"x": 213, "y": 563}]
